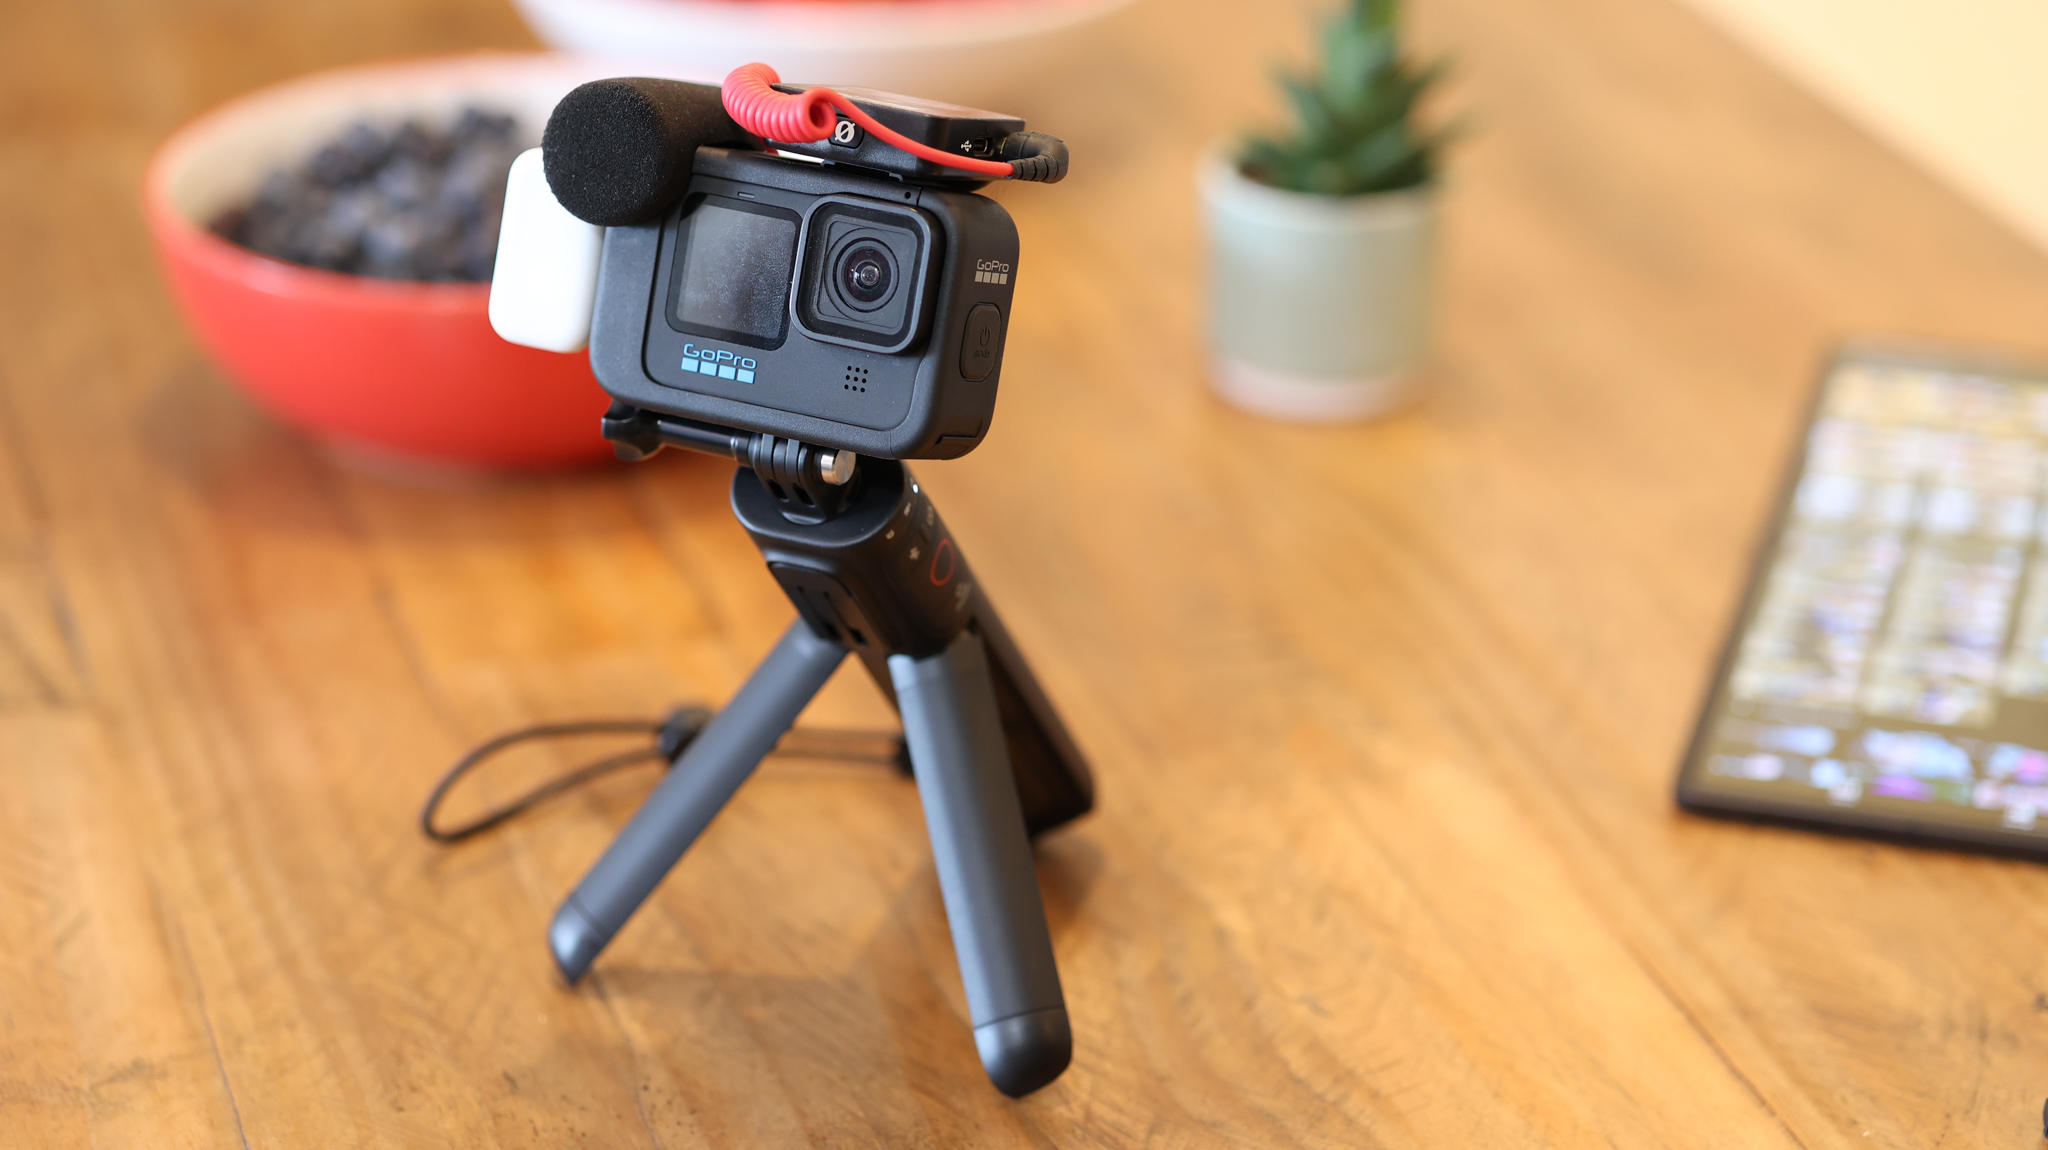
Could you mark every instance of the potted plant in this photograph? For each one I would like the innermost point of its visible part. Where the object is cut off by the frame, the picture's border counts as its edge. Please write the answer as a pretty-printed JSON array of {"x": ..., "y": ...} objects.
[{"x": 1321, "y": 235}]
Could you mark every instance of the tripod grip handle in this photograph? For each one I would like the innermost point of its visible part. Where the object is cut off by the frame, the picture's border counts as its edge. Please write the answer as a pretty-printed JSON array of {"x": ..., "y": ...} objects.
[
  {"x": 703, "y": 780},
  {"x": 983, "y": 858}
]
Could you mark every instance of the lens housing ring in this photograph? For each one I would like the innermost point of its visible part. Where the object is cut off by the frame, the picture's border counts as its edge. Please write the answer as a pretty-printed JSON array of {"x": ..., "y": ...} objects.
[{"x": 824, "y": 307}]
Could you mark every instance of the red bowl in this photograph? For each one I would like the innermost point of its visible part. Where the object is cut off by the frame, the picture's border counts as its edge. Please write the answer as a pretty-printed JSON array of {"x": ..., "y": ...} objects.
[{"x": 397, "y": 368}]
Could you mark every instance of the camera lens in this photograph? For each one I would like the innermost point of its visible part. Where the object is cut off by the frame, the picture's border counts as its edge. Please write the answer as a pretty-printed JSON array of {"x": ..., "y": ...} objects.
[{"x": 865, "y": 273}]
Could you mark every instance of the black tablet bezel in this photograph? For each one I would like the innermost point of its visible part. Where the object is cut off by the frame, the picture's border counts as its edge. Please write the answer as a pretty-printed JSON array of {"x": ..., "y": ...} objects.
[{"x": 1695, "y": 797}]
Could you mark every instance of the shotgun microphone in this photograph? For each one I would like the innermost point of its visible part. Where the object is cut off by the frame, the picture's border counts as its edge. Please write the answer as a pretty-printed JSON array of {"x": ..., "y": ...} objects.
[{"x": 618, "y": 151}]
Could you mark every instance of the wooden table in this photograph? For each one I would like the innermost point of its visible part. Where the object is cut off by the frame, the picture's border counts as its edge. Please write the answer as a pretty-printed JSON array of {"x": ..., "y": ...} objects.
[{"x": 1384, "y": 717}]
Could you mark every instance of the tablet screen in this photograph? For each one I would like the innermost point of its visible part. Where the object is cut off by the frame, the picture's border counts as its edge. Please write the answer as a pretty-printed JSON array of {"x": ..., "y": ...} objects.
[{"x": 1890, "y": 668}]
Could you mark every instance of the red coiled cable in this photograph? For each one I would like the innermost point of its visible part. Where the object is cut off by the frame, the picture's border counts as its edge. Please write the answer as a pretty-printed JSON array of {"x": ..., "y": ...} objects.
[{"x": 754, "y": 104}]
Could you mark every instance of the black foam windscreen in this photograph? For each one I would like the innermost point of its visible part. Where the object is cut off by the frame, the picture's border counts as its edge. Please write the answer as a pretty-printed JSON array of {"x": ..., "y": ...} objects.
[{"x": 619, "y": 151}]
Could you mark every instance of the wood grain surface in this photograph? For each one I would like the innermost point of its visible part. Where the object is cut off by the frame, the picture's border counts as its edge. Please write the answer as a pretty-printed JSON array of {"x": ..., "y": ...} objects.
[{"x": 1384, "y": 717}]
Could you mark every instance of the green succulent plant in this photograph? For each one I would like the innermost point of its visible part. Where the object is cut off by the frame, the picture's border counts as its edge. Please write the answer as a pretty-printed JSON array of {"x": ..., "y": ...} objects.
[{"x": 1355, "y": 127}]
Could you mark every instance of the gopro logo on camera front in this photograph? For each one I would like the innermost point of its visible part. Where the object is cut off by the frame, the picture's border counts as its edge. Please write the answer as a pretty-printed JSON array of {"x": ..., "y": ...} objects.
[
  {"x": 991, "y": 272},
  {"x": 718, "y": 362}
]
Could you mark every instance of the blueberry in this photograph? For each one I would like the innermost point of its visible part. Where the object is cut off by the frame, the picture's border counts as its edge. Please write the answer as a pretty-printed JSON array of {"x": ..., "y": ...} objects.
[{"x": 414, "y": 201}]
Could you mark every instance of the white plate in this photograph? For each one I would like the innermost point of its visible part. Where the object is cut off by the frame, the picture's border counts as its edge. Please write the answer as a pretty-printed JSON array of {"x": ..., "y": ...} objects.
[{"x": 970, "y": 52}]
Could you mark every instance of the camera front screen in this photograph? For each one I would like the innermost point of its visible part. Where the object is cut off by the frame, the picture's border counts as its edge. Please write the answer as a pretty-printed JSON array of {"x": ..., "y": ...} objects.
[{"x": 737, "y": 263}]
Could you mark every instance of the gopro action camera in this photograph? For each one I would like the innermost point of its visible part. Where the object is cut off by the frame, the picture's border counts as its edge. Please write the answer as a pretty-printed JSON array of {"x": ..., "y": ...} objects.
[
  {"x": 845, "y": 309},
  {"x": 833, "y": 281}
]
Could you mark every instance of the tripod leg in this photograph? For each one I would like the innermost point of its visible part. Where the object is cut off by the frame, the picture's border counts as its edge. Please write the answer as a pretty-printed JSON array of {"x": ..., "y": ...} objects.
[
  {"x": 984, "y": 862},
  {"x": 703, "y": 780}
]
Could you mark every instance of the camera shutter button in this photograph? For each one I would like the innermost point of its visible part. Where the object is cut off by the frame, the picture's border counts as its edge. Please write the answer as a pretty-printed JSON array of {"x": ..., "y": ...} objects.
[{"x": 982, "y": 342}]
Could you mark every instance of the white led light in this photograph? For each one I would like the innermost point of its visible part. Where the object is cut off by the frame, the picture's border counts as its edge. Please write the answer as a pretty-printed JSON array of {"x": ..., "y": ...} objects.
[{"x": 545, "y": 284}]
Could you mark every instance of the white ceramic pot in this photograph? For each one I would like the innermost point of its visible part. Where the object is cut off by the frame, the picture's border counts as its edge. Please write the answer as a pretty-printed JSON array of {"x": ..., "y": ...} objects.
[{"x": 1318, "y": 305}]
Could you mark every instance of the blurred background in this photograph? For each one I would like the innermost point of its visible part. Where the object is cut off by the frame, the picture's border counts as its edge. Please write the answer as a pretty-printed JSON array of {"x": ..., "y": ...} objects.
[
  {"x": 1952, "y": 91},
  {"x": 1958, "y": 86}
]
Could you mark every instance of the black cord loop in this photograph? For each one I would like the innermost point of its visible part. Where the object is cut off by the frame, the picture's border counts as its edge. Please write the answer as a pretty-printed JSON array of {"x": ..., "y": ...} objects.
[{"x": 672, "y": 734}]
